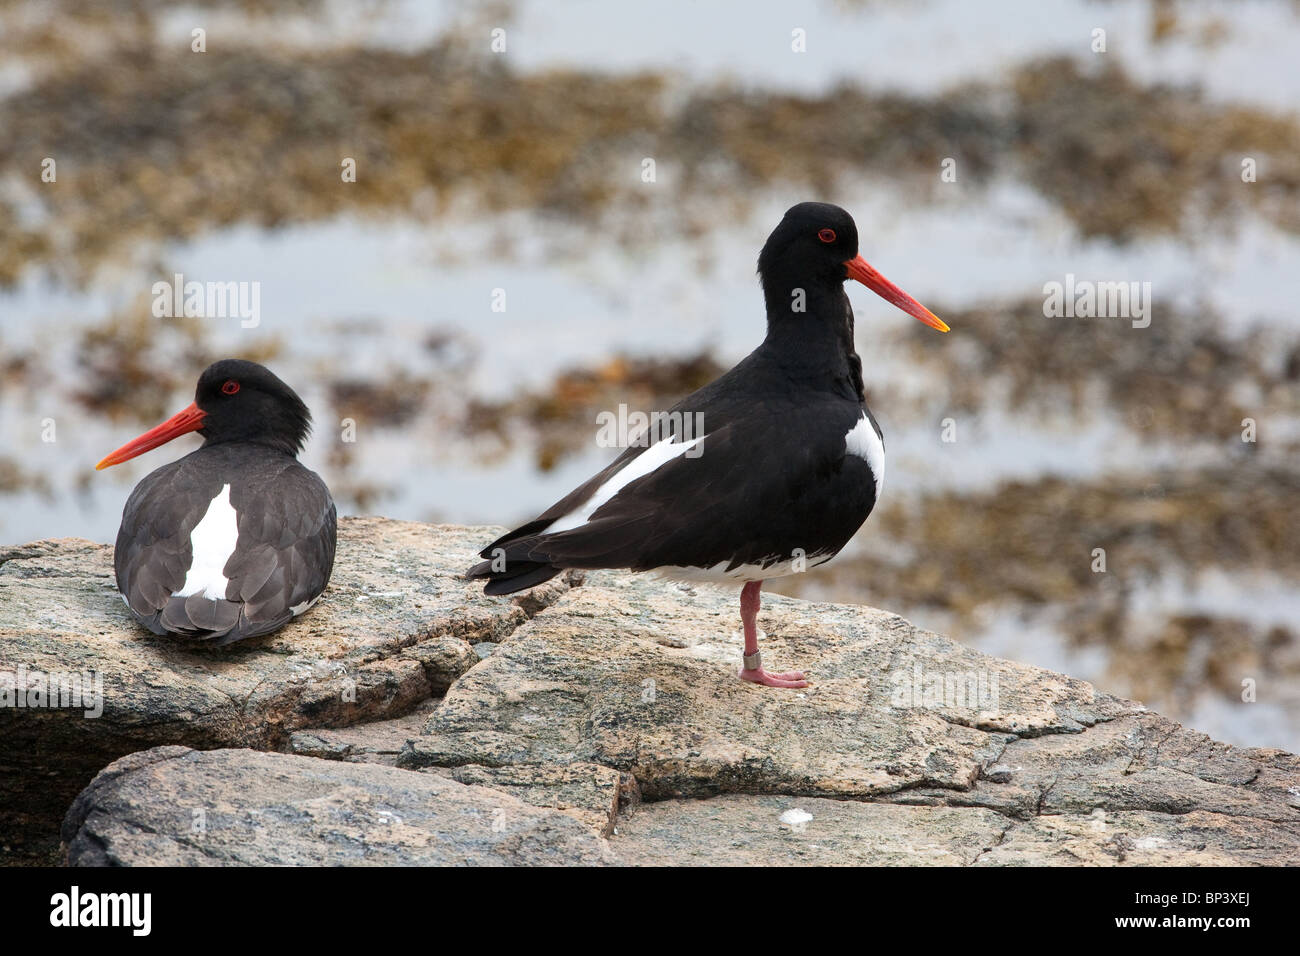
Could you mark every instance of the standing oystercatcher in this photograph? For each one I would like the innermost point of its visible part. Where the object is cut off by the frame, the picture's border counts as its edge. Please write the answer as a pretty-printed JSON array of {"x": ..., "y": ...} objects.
[
  {"x": 784, "y": 467},
  {"x": 236, "y": 538}
]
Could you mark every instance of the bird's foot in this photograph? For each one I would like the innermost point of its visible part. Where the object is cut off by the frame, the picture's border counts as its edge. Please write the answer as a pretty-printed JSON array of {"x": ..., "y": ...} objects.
[
  {"x": 757, "y": 675},
  {"x": 752, "y": 671}
]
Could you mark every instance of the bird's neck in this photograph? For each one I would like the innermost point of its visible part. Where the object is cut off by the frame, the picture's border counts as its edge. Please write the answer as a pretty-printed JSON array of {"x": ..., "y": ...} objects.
[
  {"x": 285, "y": 445},
  {"x": 283, "y": 429},
  {"x": 810, "y": 335}
]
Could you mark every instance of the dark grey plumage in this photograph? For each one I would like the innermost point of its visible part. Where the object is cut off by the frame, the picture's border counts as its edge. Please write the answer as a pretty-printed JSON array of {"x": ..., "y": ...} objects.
[
  {"x": 284, "y": 556},
  {"x": 283, "y": 553}
]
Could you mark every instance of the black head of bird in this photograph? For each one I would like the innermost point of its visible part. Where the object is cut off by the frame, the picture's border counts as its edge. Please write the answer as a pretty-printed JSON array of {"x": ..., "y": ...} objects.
[
  {"x": 236, "y": 400},
  {"x": 811, "y": 253}
]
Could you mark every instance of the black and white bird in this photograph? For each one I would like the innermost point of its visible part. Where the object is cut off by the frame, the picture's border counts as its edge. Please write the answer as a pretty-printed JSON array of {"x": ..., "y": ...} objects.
[
  {"x": 764, "y": 472},
  {"x": 236, "y": 538}
]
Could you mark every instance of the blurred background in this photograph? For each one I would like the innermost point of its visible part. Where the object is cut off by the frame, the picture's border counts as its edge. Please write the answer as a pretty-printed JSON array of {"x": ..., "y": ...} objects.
[{"x": 521, "y": 170}]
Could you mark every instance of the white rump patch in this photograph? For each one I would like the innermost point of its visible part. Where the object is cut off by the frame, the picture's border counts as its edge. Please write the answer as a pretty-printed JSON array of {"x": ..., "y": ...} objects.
[
  {"x": 654, "y": 457},
  {"x": 212, "y": 542},
  {"x": 863, "y": 441}
]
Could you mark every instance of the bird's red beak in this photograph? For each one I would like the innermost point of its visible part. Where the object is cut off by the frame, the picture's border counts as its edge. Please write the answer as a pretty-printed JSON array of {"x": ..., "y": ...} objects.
[
  {"x": 859, "y": 269},
  {"x": 187, "y": 420}
]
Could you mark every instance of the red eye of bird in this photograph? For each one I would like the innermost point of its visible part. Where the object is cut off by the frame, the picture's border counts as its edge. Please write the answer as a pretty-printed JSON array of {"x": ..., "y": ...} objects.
[
  {"x": 230, "y": 388},
  {"x": 826, "y": 235}
]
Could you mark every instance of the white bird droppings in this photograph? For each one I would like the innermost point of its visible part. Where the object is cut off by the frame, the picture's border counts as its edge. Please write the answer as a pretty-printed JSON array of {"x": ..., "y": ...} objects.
[{"x": 795, "y": 817}]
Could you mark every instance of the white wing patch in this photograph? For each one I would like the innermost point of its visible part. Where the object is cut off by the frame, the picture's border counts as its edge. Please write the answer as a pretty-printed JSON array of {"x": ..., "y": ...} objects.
[
  {"x": 863, "y": 441},
  {"x": 212, "y": 542},
  {"x": 654, "y": 457}
]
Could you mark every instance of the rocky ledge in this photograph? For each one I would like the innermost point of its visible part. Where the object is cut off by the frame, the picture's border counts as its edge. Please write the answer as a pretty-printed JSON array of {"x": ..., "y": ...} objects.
[{"x": 409, "y": 719}]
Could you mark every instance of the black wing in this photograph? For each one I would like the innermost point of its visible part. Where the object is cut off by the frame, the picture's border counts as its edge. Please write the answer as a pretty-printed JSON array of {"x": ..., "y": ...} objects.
[{"x": 757, "y": 491}]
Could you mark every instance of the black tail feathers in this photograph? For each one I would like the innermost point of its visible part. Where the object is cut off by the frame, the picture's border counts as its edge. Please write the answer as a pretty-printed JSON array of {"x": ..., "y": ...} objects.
[{"x": 516, "y": 575}]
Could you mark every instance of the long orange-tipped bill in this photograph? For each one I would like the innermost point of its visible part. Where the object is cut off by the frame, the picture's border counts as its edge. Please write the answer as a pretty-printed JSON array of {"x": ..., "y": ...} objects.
[
  {"x": 859, "y": 269},
  {"x": 187, "y": 420}
]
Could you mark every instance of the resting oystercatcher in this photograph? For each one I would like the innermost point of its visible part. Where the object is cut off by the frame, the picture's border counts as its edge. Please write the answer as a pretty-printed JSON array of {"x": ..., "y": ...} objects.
[
  {"x": 785, "y": 466},
  {"x": 236, "y": 538}
]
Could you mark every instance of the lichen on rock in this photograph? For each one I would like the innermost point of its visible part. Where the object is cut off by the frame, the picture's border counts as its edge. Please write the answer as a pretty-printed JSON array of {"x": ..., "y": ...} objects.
[{"x": 607, "y": 727}]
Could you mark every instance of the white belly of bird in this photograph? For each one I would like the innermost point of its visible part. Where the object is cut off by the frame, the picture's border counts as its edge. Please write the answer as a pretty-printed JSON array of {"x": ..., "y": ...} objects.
[
  {"x": 862, "y": 441},
  {"x": 212, "y": 542},
  {"x": 719, "y": 573}
]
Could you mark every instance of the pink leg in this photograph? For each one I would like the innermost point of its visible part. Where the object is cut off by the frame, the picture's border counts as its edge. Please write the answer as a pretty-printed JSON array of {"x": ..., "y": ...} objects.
[{"x": 749, "y": 605}]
